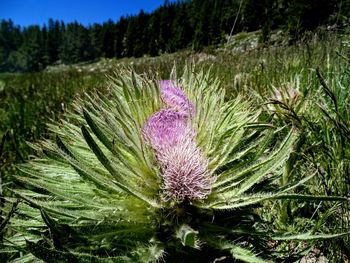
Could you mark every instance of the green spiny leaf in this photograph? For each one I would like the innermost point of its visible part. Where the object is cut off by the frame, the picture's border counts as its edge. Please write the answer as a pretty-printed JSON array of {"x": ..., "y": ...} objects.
[{"x": 188, "y": 236}]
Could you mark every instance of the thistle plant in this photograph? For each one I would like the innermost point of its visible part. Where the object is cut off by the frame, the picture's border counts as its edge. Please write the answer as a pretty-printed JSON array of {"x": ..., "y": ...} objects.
[
  {"x": 288, "y": 102},
  {"x": 153, "y": 170}
]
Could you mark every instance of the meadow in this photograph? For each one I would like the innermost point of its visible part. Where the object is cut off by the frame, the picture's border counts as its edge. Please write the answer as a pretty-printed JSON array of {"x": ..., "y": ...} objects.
[{"x": 304, "y": 85}]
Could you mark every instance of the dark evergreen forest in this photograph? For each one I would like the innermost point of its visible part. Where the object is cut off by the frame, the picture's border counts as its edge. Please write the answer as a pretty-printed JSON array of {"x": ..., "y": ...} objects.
[{"x": 173, "y": 26}]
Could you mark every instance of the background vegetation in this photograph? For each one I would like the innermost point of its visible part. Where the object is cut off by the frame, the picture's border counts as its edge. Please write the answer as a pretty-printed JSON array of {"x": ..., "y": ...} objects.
[{"x": 174, "y": 26}]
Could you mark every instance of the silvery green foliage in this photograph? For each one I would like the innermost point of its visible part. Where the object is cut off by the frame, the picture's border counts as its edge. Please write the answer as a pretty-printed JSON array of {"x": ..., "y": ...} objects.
[{"x": 96, "y": 192}]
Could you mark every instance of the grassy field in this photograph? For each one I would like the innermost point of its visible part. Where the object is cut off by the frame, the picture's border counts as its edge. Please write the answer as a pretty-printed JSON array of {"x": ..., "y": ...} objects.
[{"x": 305, "y": 85}]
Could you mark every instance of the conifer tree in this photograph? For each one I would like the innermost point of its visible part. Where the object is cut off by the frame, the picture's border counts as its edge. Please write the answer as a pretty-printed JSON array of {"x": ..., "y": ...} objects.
[
  {"x": 53, "y": 40},
  {"x": 154, "y": 32},
  {"x": 108, "y": 35},
  {"x": 121, "y": 28},
  {"x": 32, "y": 51}
]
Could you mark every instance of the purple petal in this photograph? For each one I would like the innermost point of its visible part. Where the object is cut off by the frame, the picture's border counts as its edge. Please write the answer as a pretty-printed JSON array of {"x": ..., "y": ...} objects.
[
  {"x": 175, "y": 98},
  {"x": 165, "y": 129}
]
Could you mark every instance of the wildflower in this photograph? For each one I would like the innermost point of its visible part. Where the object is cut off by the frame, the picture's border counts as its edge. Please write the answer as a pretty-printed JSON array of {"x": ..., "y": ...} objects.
[
  {"x": 165, "y": 129},
  {"x": 285, "y": 99},
  {"x": 175, "y": 98},
  {"x": 185, "y": 172},
  {"x": 289, "y": 95},
  {"x": 169, "y": 133}
]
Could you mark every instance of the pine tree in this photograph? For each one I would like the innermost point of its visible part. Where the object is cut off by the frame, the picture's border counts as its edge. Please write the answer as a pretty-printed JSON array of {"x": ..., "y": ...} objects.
[
  {"x": 96, "y": 40},
  {"x": 108, "y": 35},
  {"x": 54, "y": 39},
  {"x": 44, "y": 47},
  {"x": 10, "y": 40},
  {"x": 76, "y": 45},
  {"x": 202, "y": 35},
  {"x": 32, "y": 50},
  {"x": 121, "y": 28},
  {"x": 154, "y": 33},
  {"x": 141, "y": 37},
  {"x": 130, "y": 37}
]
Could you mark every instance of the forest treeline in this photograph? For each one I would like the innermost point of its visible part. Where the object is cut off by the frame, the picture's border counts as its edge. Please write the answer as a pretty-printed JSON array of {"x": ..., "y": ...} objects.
[{"x": 173, "y": 26}]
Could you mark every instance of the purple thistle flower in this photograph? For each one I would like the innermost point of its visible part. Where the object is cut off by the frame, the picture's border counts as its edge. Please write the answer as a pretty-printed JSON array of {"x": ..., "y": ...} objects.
[
  {"x": 165, "y": 128},
  {"x": 185, "y": 172},
  {"x": 169, "y": 133},
  {"x": 175, "y": 98}
]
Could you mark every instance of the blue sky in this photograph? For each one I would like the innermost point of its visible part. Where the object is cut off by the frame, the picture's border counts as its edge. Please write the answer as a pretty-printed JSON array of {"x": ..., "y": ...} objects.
[{"x": 28, "y": 12}]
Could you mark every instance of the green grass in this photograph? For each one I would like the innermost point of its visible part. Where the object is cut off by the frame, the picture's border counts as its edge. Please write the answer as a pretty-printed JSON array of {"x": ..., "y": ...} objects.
[
  {"x": 29, "y": 101},
  {"x": 317, "y": 68}
]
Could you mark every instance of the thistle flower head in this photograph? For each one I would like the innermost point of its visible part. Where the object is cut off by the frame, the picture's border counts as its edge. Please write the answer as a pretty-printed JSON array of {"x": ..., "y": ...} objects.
[
  {"x": 169, "y": 133},
  {"x": 288, "y": 95},
  {"x": 185, "y": 172},
  {"x": 285, "y": 99},
  {"x": 166, "y": 128},
  {"x": 175, "y": 98}
]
